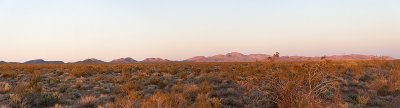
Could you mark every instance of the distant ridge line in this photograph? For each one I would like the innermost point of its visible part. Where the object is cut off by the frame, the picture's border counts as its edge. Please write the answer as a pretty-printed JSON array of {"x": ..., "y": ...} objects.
[{"x": 229, "y": 57}]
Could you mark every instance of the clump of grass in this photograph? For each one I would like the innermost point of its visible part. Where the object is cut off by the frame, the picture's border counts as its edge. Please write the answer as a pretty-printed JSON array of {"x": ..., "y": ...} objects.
[
  {"x": 99, "y": 77},
  {"x": 87, "y": 101},
  {"x": 34, "y": 77},
  {"x": 79, "y": 82},
  {"x": 29, "y": 94},
  {"x": 17, "y": 101},
  {"x": 158, "y": 100},
  {"x": 166, "y": 100},
  {"x": 126, "y": 75},
  {"x": 362, "y": 100},
  {"x": 49, "y": 99},
  {"x": 202, "y": 101},
  {"x": 121, "y": 103},
  {"x": 216, "y": 103},
  {"x": 77, "y": 72},
  {"x": 63, "y": 88},
  {"x": 4, "y": 87}
]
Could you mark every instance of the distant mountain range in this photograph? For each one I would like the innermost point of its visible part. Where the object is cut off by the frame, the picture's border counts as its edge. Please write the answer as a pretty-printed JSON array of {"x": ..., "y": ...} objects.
[
  {"x": 239, "y": 57},
  {"x": 41, "y": 61},
  {"x": 229, "y": 57},
  {"x": 351, "y": 57},
  {"x": 3, "y": 62}
]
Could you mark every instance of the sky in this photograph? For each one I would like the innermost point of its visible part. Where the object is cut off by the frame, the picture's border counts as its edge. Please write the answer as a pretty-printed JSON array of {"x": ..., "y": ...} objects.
[{"x": 72, "y": 30}]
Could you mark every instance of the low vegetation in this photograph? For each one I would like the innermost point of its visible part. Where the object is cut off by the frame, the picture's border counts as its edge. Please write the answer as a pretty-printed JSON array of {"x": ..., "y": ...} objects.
[{"x": 336, "y": 84}]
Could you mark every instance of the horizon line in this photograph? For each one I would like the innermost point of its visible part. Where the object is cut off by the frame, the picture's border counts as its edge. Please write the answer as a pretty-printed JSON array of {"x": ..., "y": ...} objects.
[{"x": 199, "y": 56}]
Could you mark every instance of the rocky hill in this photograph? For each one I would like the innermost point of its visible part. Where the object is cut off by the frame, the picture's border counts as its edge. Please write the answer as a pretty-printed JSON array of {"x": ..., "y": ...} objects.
[
  {"x": 148, "y": 60},
  {"x": 41, "y": 61},
  {"x": 124, "y": 60},
  {"x": 91, "y": 61}
]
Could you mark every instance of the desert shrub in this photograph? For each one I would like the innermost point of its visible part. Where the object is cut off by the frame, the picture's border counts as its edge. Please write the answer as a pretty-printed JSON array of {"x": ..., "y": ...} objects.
[
  {"x": 17, "y": 101},
  {"x": 79, "y": 82},
  {"x": 21, "y": 88},
  {"x": 121, "y": 103},
  {"x": 164, "y": 100},
  {"x": 154, "y": 80},
  {"x": 127, "y": 87},
  {"x": 157, "y": 80},
  {"x": 177, "y": 100},
  {"x": 30, "y": 93},
  {"x": 49, "y": 99},
  {"x": 368, "y": 76},
  {"x": 393, "y": 80},
  {"x": 202, "y": 101},
  {"x": 156, "y": 101},
  {"x": 356, "y": 71},
  {"x": 34, "y": 78},
  {"x": 394, "y": 104},
  {"x": 305, "y": 87},
  {"x": 380, "y": 85},
  {"x": 205, "y": 88},
  {"x": 126, "y": 75},
  {"x": 87, "y": 101},
  {"x": 359, "y": 100},
  {"x": 215, "y": 103},
  {"x": 362, "y": 100},
  {"x": 4, "y": 87},
  {"x": 257, "y": 98},
  {"x": 134, "y": 95},
  {"x": 190, "y": 92},
  {"x": 63, "y": 88}
]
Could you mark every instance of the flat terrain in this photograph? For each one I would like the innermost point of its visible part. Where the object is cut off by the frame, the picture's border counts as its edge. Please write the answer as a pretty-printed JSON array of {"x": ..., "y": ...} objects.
[{"x": 202, "y": 85}]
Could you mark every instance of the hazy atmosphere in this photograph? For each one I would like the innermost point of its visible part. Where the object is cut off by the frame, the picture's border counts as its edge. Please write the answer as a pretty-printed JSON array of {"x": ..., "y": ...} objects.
[{"x": 72, "y": 30}]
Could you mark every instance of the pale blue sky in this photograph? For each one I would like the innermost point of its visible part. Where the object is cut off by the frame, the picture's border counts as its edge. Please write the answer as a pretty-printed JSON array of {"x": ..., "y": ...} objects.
[{"x": 72, "y": 30}]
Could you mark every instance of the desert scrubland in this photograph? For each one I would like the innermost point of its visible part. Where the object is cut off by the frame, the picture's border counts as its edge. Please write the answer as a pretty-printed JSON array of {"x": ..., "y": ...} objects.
[{"x": 335, "y": 84}]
